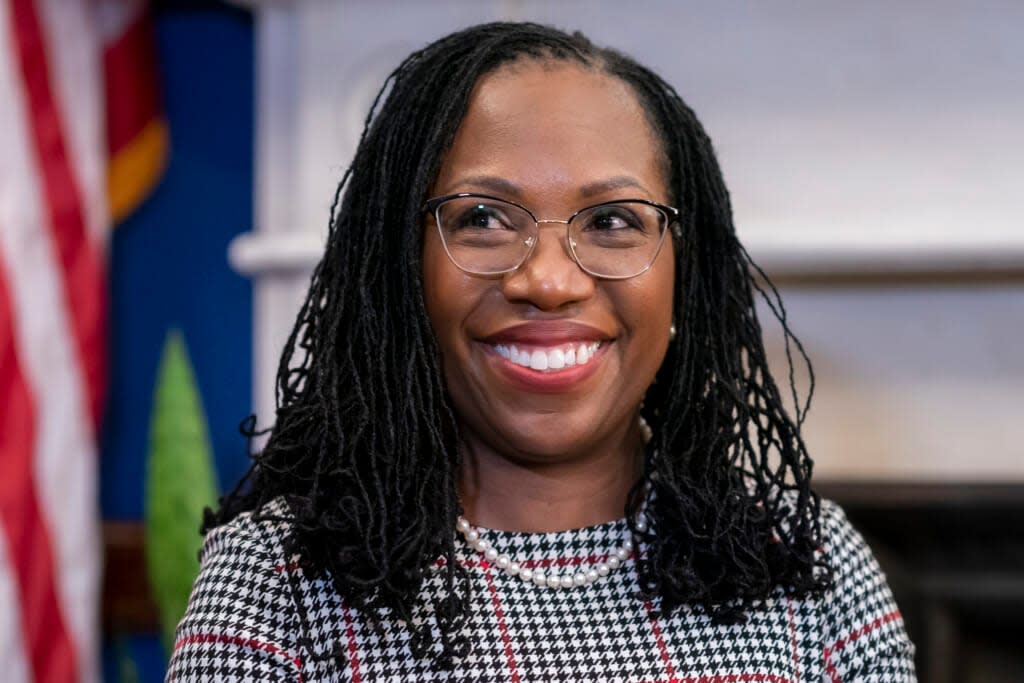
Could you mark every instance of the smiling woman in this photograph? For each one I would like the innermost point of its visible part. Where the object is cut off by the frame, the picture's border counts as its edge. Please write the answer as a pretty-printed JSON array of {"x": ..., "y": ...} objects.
[
  {"x": 529, "y": 133},
  {"x": 526, "y": 430}
]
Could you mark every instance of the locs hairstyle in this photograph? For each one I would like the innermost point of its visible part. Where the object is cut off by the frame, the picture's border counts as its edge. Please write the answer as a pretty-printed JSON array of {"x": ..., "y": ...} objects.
[{"x": 365, "y": 443}]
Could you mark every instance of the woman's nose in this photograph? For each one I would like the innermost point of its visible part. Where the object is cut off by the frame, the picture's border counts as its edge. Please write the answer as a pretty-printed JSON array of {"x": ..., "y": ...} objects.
[{"x": 550, "y": 278}]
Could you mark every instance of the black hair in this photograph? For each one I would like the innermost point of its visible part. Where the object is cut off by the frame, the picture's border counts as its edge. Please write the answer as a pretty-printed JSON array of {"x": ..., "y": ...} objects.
[{"x": 365, "y": 443}]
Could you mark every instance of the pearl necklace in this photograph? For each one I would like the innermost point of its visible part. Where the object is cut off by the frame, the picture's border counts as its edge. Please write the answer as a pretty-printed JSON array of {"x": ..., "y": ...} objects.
[{"x": 536, "y": 576}]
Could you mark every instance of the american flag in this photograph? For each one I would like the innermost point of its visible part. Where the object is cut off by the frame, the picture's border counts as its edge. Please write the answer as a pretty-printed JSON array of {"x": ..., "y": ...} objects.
[{"x": 75, "y": 150}]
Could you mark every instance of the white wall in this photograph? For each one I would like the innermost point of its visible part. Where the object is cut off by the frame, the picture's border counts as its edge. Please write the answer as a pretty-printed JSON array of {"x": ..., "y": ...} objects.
[{"x": 912, "y": 382}]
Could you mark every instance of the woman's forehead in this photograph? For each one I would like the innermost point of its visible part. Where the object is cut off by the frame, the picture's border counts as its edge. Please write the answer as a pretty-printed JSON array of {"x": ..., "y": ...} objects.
[{"x": 552, "y": 127}]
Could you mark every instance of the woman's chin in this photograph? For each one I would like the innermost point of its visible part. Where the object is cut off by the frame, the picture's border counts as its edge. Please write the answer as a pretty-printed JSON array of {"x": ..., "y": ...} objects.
[{"x": 551, "y": 445}]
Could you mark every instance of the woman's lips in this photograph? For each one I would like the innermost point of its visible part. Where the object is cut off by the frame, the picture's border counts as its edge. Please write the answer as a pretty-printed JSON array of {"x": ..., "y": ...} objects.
[
  {"x": 546, "y": 333},
  {"x": 546, "y": 356},
  {"x": 532, "y": 368}
]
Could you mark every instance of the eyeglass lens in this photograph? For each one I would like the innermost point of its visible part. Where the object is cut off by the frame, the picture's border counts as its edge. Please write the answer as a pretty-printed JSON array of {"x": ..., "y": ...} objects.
[{"x": 489, "y": 236}]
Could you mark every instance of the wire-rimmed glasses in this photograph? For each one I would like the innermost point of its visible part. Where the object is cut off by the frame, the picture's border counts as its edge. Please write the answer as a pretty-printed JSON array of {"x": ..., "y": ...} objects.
[{"x": 616, "y": 240}]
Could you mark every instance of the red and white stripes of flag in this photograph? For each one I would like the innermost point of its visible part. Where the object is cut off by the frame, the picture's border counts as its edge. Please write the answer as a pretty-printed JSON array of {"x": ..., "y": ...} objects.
[{"x": 54, "y": 220}]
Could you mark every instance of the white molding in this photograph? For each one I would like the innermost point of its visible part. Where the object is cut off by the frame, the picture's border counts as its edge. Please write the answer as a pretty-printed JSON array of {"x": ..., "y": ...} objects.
[
  {"x": 256, "y": 254},
  {"x": 795, "y": 261},
  {"x": 298, "y": 251},
  {"x": 277, "y": 276}
]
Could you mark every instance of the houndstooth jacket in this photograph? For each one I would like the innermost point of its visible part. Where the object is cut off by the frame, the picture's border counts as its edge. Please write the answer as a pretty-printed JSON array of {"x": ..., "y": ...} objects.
[{"x": 254, "y": 616}]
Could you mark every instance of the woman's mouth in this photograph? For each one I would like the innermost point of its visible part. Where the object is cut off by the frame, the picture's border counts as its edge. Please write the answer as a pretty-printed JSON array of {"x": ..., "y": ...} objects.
[
  {"x": 551, "y": 368},
  {"x": 548, "y": 358}
]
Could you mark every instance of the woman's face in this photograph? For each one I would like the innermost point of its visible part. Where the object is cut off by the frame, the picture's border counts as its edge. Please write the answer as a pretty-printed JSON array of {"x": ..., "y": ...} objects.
[{"x": 555, "y": 139}]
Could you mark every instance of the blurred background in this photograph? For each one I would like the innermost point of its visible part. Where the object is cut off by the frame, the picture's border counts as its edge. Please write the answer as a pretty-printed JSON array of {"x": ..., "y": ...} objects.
[{"x": 873, "y": 151}]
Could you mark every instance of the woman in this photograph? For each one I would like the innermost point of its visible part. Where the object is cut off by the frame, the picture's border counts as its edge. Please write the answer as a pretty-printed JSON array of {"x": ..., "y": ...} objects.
[{"x": 526, "y": 429}]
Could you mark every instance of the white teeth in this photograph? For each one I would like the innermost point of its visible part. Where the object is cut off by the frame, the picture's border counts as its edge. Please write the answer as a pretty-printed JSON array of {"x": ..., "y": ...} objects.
[
  {"x": 583, "y": 354},
  {"x": 543, "y": 360},
  {"x": 519, "y": 357}
]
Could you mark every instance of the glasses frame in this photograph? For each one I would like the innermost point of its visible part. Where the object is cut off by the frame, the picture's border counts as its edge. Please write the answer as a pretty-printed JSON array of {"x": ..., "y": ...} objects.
[{"x": 671, "y": 213}]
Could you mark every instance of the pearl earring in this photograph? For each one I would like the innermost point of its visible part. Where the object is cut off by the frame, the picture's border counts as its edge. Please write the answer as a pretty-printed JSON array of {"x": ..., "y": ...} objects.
[
  {"x": 672, "y": 331},
  {"x": 646, "y": 433}
]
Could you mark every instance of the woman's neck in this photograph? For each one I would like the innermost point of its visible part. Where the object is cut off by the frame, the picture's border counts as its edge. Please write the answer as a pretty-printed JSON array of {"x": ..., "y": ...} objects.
[{"x": 499, "y": 492}]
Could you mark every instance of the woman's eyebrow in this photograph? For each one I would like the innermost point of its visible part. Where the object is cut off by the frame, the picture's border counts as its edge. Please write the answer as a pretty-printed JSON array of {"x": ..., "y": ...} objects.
[
  {"x": 614, "y": 183},
  {"x": 505, "y": 187},
  {"x": 495, "y": 184}
]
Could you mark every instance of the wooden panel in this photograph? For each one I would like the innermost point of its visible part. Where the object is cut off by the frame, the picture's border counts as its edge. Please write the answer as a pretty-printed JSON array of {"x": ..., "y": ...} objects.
[{"x": 127, "y": 603}]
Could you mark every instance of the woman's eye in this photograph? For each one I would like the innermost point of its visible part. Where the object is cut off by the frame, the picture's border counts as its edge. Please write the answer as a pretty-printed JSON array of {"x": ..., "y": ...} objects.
[
  {"x": 614, "y": 219},
  {"x": 482, "y": 217}
]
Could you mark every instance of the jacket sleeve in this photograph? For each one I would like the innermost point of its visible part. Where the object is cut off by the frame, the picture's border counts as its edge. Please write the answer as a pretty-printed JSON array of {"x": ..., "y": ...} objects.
[
  {"x": 865, "y": 639},
  {"x": 239, "y": 624}
]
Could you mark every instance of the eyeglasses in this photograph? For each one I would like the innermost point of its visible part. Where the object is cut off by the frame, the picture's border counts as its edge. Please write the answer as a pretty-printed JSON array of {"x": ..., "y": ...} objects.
[{"x": 485, "y": 235}]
